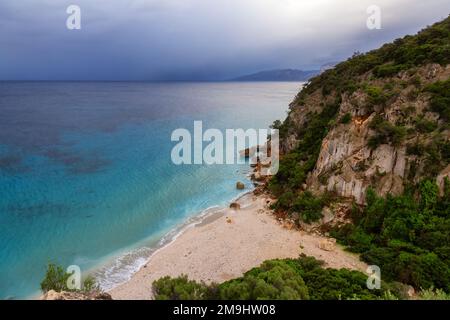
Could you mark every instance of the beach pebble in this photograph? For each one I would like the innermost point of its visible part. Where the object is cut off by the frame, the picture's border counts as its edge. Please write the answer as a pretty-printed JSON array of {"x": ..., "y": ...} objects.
[
  {"x": 327, "y": 244},
  {"x": 235, "y": 206}
]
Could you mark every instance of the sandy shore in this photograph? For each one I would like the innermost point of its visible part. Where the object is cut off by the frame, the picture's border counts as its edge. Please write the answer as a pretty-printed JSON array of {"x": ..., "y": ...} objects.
[{"x": 224, "y": 246}]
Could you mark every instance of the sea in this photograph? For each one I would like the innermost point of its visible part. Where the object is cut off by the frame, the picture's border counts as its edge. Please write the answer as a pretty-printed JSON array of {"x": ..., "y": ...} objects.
[{"x": 87, "y": 179}]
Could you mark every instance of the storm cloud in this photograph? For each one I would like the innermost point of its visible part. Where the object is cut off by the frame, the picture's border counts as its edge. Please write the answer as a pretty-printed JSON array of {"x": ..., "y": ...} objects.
[{"x": 194, "y": 39}]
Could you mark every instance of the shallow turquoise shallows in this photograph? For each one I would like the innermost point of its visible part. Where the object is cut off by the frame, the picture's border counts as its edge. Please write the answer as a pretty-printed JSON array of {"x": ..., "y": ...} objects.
[{"x": 86, "y": 176}]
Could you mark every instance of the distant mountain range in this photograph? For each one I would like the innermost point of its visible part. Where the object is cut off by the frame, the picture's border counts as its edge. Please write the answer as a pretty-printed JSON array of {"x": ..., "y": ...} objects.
[{"x": 279, "y": 75}]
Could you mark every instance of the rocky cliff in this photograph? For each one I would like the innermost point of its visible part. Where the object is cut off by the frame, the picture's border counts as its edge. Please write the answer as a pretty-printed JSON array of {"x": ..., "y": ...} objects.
[{"x": 379, "y": 119}]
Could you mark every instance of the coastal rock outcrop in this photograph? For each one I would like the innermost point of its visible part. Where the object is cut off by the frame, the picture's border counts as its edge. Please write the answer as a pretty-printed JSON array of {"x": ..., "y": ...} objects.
[
  {"x": 387, "y": 119},
  {"x": 65, "y": 295}
]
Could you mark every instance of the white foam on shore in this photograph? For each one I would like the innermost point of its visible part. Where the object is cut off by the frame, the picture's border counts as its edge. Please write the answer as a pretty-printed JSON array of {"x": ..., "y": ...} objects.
[{"x": 120, "y": 267}]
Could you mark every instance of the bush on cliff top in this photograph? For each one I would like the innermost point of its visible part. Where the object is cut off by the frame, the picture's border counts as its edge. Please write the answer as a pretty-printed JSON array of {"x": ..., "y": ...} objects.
[
  {"x": 431, "y": 45},
  {"x": 440, "y": 98}
]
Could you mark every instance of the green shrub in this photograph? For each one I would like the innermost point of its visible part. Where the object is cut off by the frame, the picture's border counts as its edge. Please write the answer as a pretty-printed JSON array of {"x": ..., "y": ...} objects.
[
  {"x": 347, "y": 118},
  {"x": 284, "y": 202},
  {"x": 288, "y": 279},
  {"x": 304, "y": 205},
  {"x": 407, "y": 237},
  {"x": 56, "y": 279},
  {"x": 273, "y": 280},
  {"x": 374, "y": 214},
  {"x": 90, "y": 285},
  {"x": 277, "y": 124},
  {"x": 436, "y": 156},
  {"x": 386, "y": 132},
  {"x": 350, "y": 86},
  {"x": 440, "y": 98},
  {"x": 333, "y": 284},
  {"x": 388, "y": 70},
  {"x": 415, "y": 81},
  {"x": 429, "y": 194},
  {"x": 431, "y": 294},
  {"x": 425, "y": 126},
  {"x": 309, "y": 207},
  {"x": 359, "y": 240},
  {"x": 182, "y": 288},
  {"x": 376, "y": 96}
]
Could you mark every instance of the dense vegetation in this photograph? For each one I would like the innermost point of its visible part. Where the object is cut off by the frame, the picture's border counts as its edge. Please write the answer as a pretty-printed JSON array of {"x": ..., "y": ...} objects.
[
  {"x": 385, "y": 132},
  {"x": 407, "y": 236},
  {"x": 436, "y": 155},
  {"x": 289, "y": 279},
  {"x": 440, "y": 98},
  {"x": 431, "y": 45},
  {"x": 292, "y": 279},
  {"x": 272, "y": 280}
]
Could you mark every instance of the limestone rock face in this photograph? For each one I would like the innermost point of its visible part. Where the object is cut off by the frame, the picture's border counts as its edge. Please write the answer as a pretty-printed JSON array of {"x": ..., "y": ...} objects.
[
  {"x": 327, "y": 215},
  {"x": 441, "y": 178},
  {"x": 346, "y": 164}
]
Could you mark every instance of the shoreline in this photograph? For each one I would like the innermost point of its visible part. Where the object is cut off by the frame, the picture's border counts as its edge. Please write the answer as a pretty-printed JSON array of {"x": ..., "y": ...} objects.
[
  {"x": 140, "y": 253},
  {"x": 222, "y": 245}
]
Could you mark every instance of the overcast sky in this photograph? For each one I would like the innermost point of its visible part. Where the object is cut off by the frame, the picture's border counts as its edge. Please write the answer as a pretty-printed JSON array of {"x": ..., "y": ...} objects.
[{"x": 194, "y": 39}]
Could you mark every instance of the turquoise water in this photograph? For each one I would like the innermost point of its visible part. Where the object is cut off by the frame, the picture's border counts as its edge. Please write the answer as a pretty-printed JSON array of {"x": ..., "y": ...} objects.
[{"x": 86, "y": 176}]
